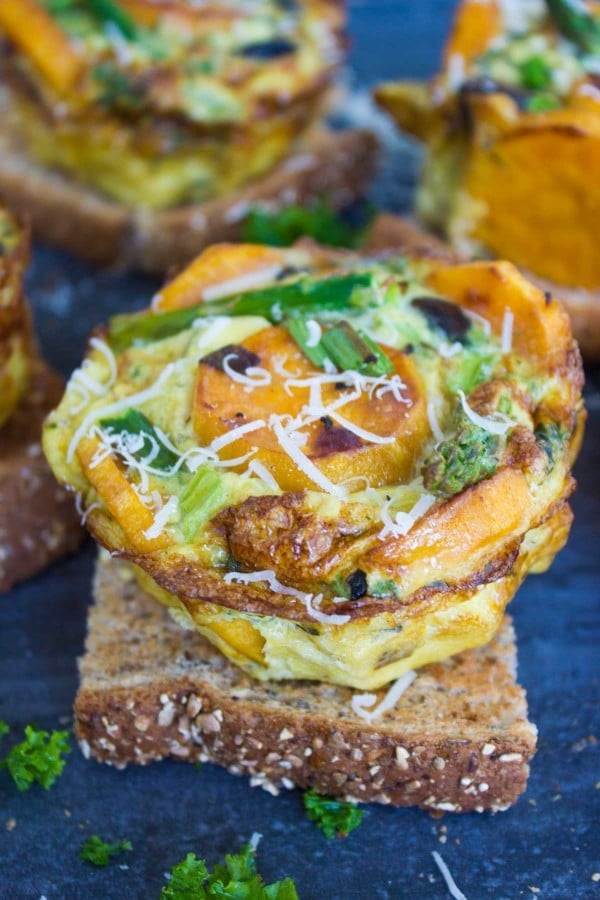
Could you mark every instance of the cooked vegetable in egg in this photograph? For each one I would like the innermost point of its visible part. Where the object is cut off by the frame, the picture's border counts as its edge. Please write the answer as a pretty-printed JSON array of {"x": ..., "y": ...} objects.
[
  {"x": 160, "y": 104},
  {"x": 333, "y": 467}
]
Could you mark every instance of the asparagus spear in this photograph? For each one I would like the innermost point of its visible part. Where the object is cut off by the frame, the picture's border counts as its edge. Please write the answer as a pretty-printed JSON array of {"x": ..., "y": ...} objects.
[
  {"x": 274, "y": 303},
  {"x": 576, "y": 23}
]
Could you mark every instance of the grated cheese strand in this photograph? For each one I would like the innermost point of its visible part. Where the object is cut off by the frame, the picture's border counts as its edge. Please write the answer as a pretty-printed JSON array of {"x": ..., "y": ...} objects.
[
  {"x": 302, "y": 461},
  {"x": 450, "y": 882},
  {"x": 241, "y": 284},
  {"x": 309, "y": 600},
  {"x": 394, "y": 692},
  {"x": 507, "y": 331},
  {"x": 493, "y": 426},
  {"x": 119, "y": 405},
  {"x": 253, "y": 377},
  {"x": 434, "y": 423}
]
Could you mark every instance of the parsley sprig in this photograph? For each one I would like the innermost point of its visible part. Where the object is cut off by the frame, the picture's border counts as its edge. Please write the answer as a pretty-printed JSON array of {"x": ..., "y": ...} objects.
[
  {"x": 320, "y": 221},
  {"x": 99, "y": 852},
  {"x": 38, "y": 759},
  {"x": 238, "y": 878},
  {"x": 335, "y": 818}
]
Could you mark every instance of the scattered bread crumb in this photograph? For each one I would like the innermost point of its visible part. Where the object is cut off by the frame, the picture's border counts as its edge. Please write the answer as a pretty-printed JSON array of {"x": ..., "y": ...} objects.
[{"x": 11, "y": 824}]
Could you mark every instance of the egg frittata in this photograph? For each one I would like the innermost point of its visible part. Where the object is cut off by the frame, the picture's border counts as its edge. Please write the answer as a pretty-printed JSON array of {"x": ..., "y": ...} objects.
[
  {"x": 15, "y": 326},
  {"x": 161, "y": 104},
  {"x": 334, "y": 467}
]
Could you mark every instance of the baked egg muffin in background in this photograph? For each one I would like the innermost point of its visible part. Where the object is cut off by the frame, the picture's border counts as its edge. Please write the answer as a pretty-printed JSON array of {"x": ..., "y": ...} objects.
[
  {"x": 161, "y": 104},
  {"x": 511, "y": 127},
  {"x": 334, "y": 467},
  {"x": 15, "y": 325},
  {"x": 38, "y": 521}
]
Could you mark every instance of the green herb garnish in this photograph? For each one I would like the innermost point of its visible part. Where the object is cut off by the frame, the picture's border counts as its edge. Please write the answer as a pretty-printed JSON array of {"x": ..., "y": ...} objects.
[
  {"x": 151, "y": 449},
  {"x": 237, "y": 879},
  {"x": 99, "y": 852},
  {"x": 202, "y": 496},
  {"x": 542, "y": 103},
  {"x": 110, "y": 12},
  {"x": 37, "y": 759},
  {"x": 576, "y": 23},
  {"x": 116, "y": 87},
  {"x": 284, "y": 226},
  {"x": 335, "y": 818},
  {"x": 536, "y": 73},
  {"x": 302, "y": 296}
]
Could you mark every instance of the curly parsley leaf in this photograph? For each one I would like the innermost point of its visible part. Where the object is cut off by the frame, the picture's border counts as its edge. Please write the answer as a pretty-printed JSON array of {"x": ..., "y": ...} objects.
[
  {"x": 237, "y": 879},
  {"x": 4, "y": 729},
  {"x": 320, "y": 221},
  {"x": 37, "y": 759},
  {"x": 99, "y": 852},
  {"x": 335, "y": 818}
]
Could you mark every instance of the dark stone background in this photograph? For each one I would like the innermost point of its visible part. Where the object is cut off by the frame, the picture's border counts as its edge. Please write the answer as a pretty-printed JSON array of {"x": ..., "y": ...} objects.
[{"x": 546, "y": 847}]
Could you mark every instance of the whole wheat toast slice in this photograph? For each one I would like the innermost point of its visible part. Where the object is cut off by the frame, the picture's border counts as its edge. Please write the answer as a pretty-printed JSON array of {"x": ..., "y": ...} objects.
[
  {"x": 38, "y": 521},
  {"x": 73, "y": 217},
  {"x": 457, "y": 740},
  {"x": 390, "y": 232}
]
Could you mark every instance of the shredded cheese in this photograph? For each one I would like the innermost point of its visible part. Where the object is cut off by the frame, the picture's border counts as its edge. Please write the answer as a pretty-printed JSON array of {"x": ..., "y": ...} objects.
[
  {"x": 402, "y": 522},
  {"x": 479, "y": 320},
  {"x": 450, "y": 882},
  {"x": 361, "y": 702},
  {"x": 141, "y": 397},
  {"x": 507, "y": 331},
  {"x": 499, "y": 425},
  {"x": 305, "y": 465},
  {"x": 242, "y": 283},
  {"x": 311, "y": 602},
  {"x": 164, "y": 515},
  {"x": 447, "y": 351},
  {"x": 434, "y": 422},
  {"x": 254, "y": 376},
  {"x": 314, "y": 332},
  {"x": 257, "y": 468}
]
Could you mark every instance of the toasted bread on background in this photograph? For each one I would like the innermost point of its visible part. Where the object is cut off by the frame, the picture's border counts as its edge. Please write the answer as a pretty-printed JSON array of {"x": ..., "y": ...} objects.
[
  {"x": 38, "y": 521},
  {"x": 391, "y": 232},
  {"x": 457, "y": 740},
  {"x": 74, "y": 217}
]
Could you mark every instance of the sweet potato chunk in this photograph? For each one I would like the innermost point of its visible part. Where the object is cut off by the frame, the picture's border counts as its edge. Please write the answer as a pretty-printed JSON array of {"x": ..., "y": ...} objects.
[{"x": 223, "y": 404}]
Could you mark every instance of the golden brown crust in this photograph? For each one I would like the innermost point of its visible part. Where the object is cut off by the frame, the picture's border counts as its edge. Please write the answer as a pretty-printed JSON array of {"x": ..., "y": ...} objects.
[
  {"x": 38, "y": 522},
  {"x": 457, "y": 740},
  {"x": 76, "y": 219}
]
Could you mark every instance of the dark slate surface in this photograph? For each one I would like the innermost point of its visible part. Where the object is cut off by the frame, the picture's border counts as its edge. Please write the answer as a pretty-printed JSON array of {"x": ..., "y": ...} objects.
[{"x": 546, "y": 847}]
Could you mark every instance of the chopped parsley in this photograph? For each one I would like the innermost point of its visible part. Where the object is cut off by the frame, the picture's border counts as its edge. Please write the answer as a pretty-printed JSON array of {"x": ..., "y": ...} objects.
[
  {"x": 238, "y": 878},
  {"x": 284, "y": 226},
  {"x": 37, "y": 759},
  {"x": 99, "y": 852},
  {"x": 536, "y": 73},
  {"x": 335, "y": 818}
]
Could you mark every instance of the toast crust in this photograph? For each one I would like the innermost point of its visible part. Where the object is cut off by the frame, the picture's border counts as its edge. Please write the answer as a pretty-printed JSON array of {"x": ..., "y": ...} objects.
[
  {"x": 38, "y": 521},
  {"x": 150, "y": 690},
  {"x": 73, "y": 217}
]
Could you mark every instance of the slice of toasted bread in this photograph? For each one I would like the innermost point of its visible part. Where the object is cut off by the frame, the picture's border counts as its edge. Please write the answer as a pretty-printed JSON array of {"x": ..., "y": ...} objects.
[
  {"x": 73, "y": 217},
  {"x": 390, "y": 232},
  {"x": 457, "y": 740},
  {"x": 38, "y": 521}
]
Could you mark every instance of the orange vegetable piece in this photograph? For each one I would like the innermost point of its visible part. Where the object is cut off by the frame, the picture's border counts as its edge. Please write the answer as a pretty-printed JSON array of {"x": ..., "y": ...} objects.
[
  {"x": 475, "y": 25},
  {"x": 541, "y": 329},
  {"x": 36, "y": 33},
  {"x": 221, "y": 404},
  {"x": 119, "y": 496},
  {"x": 219, "y": 263}
]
